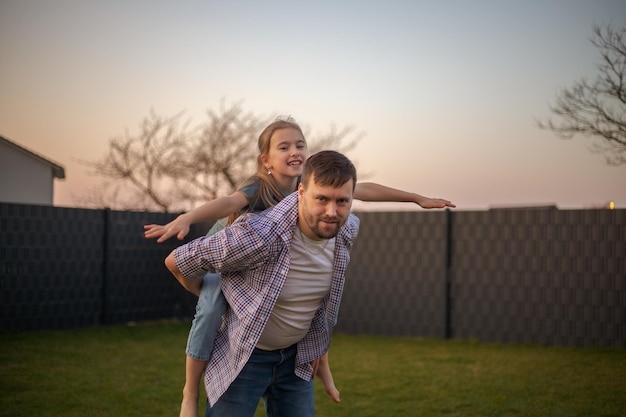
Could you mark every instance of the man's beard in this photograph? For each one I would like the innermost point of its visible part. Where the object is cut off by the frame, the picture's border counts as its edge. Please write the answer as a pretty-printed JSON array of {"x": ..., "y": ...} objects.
[{"x": 324, "y": 230}]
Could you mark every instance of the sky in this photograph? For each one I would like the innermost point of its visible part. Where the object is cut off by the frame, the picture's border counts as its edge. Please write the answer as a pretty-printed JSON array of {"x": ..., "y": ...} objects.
[{"x": 446, "y": 94}]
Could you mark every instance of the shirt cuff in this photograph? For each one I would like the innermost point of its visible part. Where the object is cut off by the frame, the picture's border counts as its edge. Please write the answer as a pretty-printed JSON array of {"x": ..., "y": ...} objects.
[{"x": 189, "y": 260}]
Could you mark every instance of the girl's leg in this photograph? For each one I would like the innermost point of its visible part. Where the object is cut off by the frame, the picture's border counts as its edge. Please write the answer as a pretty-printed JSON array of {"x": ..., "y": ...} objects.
[
  {"x": 191, "y": 391},
  {"x": 206, "y": 322}
]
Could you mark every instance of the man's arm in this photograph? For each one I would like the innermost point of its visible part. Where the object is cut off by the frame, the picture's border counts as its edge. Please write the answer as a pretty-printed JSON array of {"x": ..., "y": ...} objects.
[
  {"x": 236, "y": 248},
  {"x": 192, "y": 286}
]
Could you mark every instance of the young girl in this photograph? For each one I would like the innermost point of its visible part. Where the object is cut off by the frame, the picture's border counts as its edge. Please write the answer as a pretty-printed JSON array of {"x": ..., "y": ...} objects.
[{"x": 282, "y": 153}]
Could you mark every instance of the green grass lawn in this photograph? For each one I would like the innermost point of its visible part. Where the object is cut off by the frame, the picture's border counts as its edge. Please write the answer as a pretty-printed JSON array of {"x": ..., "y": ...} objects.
[{"x": 139, "y": 371}]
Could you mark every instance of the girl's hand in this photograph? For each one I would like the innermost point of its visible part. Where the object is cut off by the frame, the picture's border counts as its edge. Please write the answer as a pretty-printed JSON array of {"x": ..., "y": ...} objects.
[
  {"x": 178, "y": 227},
  {"x": 430, "y": 203}
]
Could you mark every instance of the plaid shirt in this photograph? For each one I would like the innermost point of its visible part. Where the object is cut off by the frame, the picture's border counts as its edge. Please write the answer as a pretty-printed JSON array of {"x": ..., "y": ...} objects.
[{"x": 253, "y": 257}]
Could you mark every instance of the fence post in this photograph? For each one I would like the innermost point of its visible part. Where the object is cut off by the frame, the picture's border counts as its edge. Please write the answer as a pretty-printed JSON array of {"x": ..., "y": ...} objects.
[
  {"x": 448, "y": 278},
  {"x": 106, "y": 242}
]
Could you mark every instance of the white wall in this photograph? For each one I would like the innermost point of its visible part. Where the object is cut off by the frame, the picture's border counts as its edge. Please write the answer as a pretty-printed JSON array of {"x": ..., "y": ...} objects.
[{"x": 24, "y": 179}]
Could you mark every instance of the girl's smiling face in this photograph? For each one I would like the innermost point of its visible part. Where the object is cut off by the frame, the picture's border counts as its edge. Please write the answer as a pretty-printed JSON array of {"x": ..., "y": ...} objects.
[{"x": 286, "y": 155}]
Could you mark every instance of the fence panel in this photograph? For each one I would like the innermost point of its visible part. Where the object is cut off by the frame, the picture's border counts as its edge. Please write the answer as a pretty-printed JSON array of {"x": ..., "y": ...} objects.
[
  {"x": 50, "y": 267},
  {"x": 540, "y": 276},
  {"x": 65, "y": 268},
  {"x": 395, "y": 284}
]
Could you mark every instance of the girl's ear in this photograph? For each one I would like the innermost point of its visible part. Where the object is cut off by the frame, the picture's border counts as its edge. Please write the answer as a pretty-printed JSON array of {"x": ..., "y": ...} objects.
[{"x": 265, "y": 161}]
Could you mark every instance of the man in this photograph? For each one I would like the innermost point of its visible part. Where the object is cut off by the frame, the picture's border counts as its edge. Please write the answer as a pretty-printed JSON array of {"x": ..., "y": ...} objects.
[{"x": 282, "y": 274}]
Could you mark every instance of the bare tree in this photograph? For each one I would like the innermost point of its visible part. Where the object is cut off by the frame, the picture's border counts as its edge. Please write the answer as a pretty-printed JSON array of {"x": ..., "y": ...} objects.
[
  {"x": 597, "y": 109},
  {"x": 169, "y": 166}
]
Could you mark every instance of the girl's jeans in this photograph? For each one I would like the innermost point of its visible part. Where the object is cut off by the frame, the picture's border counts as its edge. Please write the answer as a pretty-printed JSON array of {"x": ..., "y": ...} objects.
[{"x": 208, "y": 319}]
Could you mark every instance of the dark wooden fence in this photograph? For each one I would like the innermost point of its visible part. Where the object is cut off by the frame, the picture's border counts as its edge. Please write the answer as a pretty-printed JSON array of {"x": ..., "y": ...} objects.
[{"x": 553, "y": 277}]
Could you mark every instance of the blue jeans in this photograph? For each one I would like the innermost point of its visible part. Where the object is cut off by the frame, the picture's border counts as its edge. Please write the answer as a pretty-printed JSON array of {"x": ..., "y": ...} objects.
[
  {"x": 208, "y": 318},
  {"x": 268, "y": 375}
]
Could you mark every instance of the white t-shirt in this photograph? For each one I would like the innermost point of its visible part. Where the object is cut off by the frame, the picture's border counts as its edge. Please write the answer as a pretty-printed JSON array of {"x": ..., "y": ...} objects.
[{"x": 307, "y": 283}]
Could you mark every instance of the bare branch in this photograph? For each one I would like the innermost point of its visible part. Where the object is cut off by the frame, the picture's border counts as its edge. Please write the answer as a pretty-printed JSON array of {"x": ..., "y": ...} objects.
[
  {"x": 597, "y": 110},
  {"x": 170, "y": 166}
]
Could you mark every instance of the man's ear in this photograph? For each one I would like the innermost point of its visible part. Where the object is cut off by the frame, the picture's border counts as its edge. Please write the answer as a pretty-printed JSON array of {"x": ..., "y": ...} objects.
[{"x": 300, "y": 189}]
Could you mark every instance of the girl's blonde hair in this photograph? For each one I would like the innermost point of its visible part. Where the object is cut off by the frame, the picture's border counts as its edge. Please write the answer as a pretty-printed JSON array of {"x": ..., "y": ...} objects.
[{"x": 269, "y": 192}]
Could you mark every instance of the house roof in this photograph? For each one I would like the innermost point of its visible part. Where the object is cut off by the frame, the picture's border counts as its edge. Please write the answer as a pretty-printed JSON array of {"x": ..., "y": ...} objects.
[{"x": 57, "y": 170}]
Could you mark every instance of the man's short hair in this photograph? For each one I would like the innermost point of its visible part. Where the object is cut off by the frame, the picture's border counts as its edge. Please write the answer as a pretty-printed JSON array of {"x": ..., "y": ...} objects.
[{"x": 329, "y": 168}]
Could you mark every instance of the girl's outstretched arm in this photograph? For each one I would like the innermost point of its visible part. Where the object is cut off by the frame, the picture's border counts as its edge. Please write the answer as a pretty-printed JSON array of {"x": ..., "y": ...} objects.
[
  {"x": 370, "y": 191},
  {"x": 212, "y": 210}
]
